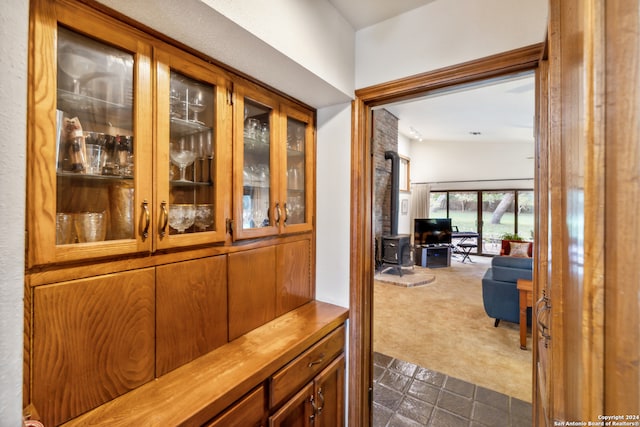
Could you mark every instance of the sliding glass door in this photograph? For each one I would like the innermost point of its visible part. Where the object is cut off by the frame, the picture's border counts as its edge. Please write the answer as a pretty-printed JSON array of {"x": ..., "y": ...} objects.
[{"x": 490, "y": 213}]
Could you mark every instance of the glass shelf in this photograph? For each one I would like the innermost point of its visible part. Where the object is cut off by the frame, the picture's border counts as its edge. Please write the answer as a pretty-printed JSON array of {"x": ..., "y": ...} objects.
[
  {"x": 182, "y": 127},
  {"x": 177, "y": 183},
  {"x": 87, "y": 176}
]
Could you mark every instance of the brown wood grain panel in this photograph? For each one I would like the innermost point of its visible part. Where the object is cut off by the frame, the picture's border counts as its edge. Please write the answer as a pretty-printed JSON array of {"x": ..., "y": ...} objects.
[
  {"x": 541, "y": 397},
  {"x": 252, "y": 290},
  {"x": 41, "y": 126},
  {"x": 203, "y": 388},
  {"x": 622, "y": 286},
  {"x": 191, "y": 310},
  {"x": 93, "y": 340},
  {"x": 296, "y": 412},
  {"x": 293, "y": 278},
  {"x": 27, "y": 333},
  {"x": 251, "y": 411},
  {"x": 329, "y": 391},
  {"x": 520, "y": 59},
  {"x": 361, "y": 275},
  {"x": 290, "y": 378}
]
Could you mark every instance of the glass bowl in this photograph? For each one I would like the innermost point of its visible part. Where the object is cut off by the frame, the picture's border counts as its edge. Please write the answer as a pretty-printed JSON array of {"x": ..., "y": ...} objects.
[
  {"x": 204, "y": 216},
  {"x": 181, "y": 216}
]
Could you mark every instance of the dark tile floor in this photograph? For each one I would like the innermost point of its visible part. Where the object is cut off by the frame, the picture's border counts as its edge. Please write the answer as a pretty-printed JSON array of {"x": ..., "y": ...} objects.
[{"x": 408, "y": 395}]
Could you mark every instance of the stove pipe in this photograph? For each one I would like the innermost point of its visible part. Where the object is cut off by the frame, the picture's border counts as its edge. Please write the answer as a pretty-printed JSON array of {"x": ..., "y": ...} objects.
[{"x": 395, "y": 188}]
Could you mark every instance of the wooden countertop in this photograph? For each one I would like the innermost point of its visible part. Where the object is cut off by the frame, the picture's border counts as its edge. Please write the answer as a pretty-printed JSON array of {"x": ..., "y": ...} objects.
[{"x": 196, "y": 392}]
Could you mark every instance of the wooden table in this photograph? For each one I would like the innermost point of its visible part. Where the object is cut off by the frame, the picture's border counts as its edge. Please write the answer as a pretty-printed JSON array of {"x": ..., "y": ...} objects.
[{"x": 526, "y": 300}]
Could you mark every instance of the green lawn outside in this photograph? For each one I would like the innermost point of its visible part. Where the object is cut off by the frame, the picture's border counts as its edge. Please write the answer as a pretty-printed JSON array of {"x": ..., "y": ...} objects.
[{"x": 466, "y": 221}]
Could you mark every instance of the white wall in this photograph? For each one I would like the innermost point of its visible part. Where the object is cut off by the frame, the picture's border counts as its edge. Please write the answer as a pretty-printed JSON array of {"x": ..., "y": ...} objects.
[
  {"x": 445, "y": 33},
  {"x": 333, "y": 200},
  {"x": 312, "y": 33},
  {"x": 447, "y": 161},
  {"x": 13, "y": 99}
]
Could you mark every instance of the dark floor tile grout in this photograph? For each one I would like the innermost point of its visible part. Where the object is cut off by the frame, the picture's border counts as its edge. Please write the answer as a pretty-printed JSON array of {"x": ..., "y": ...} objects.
[{"x": 406, "y": 395}]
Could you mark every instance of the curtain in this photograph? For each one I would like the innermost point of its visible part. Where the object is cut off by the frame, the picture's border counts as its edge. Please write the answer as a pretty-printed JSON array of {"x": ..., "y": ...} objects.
[{"x": 420, "y": 196}]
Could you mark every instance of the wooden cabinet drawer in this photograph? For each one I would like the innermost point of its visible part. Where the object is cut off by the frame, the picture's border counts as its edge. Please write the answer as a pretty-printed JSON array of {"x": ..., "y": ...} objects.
[
  {"x": 302, "y": 369},
  {"x": 250, "y": 411}
]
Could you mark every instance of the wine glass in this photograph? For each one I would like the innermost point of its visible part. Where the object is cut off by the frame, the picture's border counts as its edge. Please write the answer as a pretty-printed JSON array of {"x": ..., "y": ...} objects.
[
  {"x": 197, "y": 106},
  {"x": 182, "y": 155},
  {"x": 76, "y": 66},
  {"x": 181, "y": 216}
]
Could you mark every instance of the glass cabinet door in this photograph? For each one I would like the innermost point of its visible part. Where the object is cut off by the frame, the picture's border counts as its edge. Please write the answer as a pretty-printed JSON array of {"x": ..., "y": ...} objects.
[
  {"x": 298, "y": 160},
  {"x": 256, "y": 208},
  {"x": 191, "y": 187},
  {"x": 89, "y": 140},
  {"x": 95, "y": 142}
]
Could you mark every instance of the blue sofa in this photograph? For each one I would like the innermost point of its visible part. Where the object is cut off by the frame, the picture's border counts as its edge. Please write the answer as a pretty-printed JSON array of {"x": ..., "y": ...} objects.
[{"x": 499, "y": 292}]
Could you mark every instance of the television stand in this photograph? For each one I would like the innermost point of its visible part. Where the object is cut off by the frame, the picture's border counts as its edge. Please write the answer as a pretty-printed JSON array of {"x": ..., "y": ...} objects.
[{"x": 433, "y": 256}]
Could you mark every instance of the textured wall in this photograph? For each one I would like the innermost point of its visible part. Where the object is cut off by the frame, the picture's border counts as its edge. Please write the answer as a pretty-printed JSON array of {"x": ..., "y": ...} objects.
[{"x": 13, "y": 117}]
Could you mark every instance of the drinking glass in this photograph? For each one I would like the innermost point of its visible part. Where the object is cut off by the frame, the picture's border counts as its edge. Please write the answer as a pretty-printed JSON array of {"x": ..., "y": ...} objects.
[
  {"x": 182, "y": 155},
  {"x": 64, "y": 229},
  {"x": 94, "y": 159},
  {"x": 90, "y": 226},
  {"x": 197, "y": 106}
]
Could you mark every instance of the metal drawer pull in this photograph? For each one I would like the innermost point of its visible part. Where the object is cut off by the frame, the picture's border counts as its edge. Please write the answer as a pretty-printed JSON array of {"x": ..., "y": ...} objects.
[
  {"x": 312, "y": 417},
  {"x": 321, "y": 399},
  {"x": 317, "y": 362},
  {"x": 543, "y": 328},
  {"x": 165, "y": 217},
  {"x": 286, "y": 213},
  {"x": 147, "y": 219}
]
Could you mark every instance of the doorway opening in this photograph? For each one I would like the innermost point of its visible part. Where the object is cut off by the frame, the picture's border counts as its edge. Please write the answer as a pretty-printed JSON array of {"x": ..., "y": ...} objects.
[
  {"x": 436, "y": 351},
  {"x": 362, "y": 237}
]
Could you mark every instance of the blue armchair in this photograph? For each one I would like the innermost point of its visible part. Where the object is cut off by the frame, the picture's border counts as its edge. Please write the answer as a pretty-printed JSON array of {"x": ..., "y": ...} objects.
[{"x": 499, "y": 292}]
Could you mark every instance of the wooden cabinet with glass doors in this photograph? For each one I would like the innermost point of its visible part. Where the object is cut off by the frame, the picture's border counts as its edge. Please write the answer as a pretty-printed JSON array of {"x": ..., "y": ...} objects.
[
  {"x": 102, "y": 183},
  {"x": 145, "y": 164},
  {"x": 90, "y": 153},
  {"x": 194, "y": 137},
  {"x": 273, "y": 165}
]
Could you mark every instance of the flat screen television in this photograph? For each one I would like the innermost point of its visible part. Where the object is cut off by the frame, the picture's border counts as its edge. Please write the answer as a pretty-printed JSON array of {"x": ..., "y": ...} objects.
[{"x": 432, "y": 231}]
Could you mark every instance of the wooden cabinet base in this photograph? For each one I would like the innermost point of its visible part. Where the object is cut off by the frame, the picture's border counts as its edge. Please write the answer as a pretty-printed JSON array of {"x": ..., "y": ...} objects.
[{"x": 202, "y": 389}]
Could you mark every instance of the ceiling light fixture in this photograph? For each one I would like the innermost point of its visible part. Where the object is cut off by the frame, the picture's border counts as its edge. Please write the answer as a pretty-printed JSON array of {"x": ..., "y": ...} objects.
[
  {"x": 414, "y": 133},
  {"x": 475, "y": 133}
]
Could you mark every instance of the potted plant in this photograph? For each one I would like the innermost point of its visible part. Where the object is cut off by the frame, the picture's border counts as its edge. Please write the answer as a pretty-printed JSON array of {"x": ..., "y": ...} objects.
[{"x": 512, "y": 237}]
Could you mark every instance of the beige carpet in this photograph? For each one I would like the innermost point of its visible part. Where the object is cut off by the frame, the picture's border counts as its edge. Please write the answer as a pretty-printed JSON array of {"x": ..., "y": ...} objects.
[{"x": 442, "y": 326}]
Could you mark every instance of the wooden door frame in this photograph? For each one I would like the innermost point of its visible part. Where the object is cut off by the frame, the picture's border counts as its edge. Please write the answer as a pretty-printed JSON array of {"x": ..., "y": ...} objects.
[{"x": 361, "y": 229}]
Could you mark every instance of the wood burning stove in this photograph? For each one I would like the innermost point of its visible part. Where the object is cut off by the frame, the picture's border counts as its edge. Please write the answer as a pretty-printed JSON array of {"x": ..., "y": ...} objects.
[{"x": 396, "y": 248}]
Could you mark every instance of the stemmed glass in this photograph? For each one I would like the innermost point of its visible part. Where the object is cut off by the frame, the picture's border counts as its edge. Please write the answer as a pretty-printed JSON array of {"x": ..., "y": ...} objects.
[
  {"x": 76, "y": 66},
  {"x": 196, "y": 105},
  {"x": 182, "y": 154}
]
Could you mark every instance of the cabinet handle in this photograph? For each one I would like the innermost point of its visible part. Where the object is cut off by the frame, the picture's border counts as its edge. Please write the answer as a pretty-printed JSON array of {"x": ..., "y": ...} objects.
[
  {"x": 321, "y": 400},
  {"x": 312, "y": 417},
  {"x": 147, "y": 219},
  {"x": 276, "y": 211},
  {"x": 544, "y": 302},
  {"x": 316, "y": 362},
  {"x": 165, "y": 218},
  {"x": 286, "y": 213}
]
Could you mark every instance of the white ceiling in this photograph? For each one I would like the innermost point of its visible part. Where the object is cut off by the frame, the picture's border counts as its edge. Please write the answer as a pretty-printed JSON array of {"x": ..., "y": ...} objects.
[
  {"x": 363, "y": 13},
  {"x": 502, "y": 111}
]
